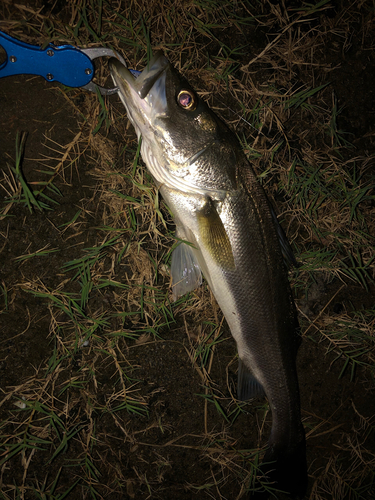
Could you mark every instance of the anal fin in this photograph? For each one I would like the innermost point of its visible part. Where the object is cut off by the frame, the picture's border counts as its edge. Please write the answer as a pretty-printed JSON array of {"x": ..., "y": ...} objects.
[{"x": 247, "y": 386}]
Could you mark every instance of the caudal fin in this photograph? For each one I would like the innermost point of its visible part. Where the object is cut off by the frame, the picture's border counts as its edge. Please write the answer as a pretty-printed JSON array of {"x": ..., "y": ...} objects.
[{"x": 282, "y": 472}]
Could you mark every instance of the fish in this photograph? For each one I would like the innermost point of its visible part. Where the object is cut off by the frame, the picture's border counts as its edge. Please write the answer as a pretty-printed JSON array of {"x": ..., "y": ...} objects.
[{"x": 230, "y": 234}]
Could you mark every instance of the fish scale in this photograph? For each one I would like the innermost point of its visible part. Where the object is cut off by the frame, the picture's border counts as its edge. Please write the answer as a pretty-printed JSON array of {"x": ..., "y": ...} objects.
[{"x": 234, "y": 239}]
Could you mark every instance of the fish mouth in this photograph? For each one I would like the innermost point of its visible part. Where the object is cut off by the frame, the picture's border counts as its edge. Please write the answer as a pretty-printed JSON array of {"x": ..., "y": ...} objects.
[{"x": 146, "y": 90}]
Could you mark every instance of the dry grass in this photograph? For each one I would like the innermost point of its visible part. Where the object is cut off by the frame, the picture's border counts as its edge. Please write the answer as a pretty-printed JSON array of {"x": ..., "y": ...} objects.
[{"x": 104, "y": 412}]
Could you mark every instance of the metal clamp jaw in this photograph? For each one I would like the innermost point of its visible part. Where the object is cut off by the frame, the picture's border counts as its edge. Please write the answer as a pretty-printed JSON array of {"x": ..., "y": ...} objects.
[{"x": 66, "y": 64}]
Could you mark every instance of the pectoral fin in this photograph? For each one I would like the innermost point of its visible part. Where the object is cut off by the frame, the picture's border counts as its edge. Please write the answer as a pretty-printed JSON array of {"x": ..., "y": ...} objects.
[{"x": 214, "y": 237}]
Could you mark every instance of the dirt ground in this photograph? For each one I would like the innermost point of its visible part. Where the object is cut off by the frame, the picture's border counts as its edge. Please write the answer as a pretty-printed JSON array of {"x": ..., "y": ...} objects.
[{"x": 185, "y": 436}]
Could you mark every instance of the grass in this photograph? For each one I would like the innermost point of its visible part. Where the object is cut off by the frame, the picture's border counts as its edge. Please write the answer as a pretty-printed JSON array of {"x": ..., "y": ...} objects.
[
  {"x": 18, "y": 189},
  {"x": 117, "y": 390}
]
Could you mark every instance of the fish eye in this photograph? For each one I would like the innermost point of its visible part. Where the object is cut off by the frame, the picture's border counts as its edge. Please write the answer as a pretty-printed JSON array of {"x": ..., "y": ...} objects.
[{"x": 187, "y": 99}]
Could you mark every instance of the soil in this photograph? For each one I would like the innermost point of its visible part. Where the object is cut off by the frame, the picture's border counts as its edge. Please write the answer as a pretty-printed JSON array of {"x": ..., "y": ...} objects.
[{"x": 168, "y": 381}]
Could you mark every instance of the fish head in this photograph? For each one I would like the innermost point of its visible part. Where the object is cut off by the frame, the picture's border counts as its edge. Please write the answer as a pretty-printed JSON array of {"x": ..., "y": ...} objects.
[{"x": 182, "y": 139}]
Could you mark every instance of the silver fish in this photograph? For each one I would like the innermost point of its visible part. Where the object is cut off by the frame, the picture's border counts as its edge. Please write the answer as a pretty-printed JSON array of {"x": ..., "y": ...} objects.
[{"x": 220, "y": 208}]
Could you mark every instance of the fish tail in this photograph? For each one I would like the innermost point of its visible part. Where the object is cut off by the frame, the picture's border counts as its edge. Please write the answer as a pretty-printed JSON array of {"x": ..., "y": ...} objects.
[{"x": 282, "y": 471}]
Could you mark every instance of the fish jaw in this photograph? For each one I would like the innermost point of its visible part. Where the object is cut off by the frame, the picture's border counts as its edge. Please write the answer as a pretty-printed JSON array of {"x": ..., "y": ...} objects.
[{"x": 144, "y": 96}]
